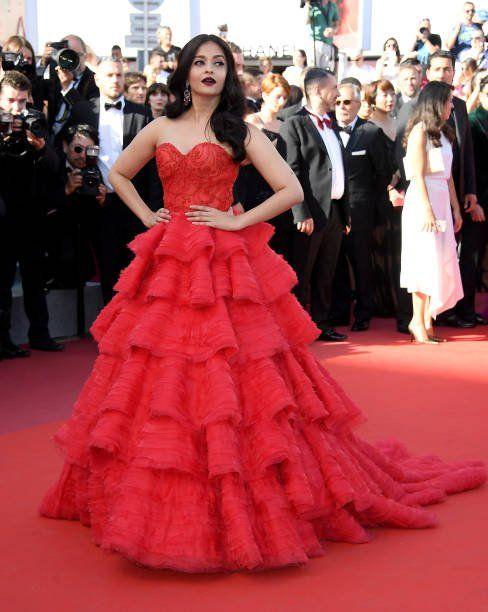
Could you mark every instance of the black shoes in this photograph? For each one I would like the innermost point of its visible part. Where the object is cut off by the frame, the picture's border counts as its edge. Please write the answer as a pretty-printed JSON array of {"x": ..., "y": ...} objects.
[
  {"x": 330, "y": 335},
  {"x": 46, "y": 344},
  {"x": 9, "y": 350},
  {"x": 402, "y": 328},
  {"x": 359, "y": 326},
  {"x": 480, "y": 320},
  {"x": 455, "y": 321}
]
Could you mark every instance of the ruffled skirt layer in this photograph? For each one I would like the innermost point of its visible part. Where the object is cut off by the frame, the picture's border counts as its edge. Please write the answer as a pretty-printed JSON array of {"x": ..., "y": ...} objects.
[{"x": 207, "y": 438}]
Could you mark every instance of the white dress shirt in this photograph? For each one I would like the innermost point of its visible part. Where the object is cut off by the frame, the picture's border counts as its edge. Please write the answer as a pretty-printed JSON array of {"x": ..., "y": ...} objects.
[
  {"x": 111, "y": 133},
  {"x": 344, "y": 135},
  {"x": 335, "y": 154}
]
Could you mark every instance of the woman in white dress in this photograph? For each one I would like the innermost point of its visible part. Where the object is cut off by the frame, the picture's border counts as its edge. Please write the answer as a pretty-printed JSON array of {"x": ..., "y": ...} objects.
[{"x": 431, "y": 214}]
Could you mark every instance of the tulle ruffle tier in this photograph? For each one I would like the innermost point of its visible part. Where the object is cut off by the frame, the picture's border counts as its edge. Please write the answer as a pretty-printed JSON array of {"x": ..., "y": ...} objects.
[{"x": 207, "y": 438}]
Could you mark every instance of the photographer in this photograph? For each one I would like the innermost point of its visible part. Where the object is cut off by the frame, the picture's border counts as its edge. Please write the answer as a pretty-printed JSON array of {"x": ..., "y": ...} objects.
[
  {"x": 25, "y": 163},
  {"x": 68, "y": 80},
  {"x": 18, "y": 54},
  {"x": 74, "y": 225},
  {"x": 118, "y": 121},
  {"x": 425, "y": 43}
]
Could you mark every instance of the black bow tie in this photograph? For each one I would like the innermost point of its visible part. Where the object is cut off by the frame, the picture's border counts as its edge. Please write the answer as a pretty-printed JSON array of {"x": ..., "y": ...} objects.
[
  {"x": 117, "y": 105},
  {"x": 346, "y": 128}
]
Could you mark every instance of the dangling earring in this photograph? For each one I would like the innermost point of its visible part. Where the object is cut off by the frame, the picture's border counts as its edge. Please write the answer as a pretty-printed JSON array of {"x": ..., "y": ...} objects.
[{"x": 187, "y": 95}]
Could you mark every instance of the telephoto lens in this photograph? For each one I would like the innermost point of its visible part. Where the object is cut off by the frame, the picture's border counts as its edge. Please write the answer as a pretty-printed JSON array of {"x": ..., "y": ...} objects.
[
  {"x": 66, "y": 58},
  {"x": 91, "y": 175}
]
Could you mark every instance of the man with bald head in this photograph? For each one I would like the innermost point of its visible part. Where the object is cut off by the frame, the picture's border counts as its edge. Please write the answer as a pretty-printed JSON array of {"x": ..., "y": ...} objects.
[
  {"x": 369, "y": 171},
  {"x": 409, "y": 80},
  {"x": 117, "y": 121}
]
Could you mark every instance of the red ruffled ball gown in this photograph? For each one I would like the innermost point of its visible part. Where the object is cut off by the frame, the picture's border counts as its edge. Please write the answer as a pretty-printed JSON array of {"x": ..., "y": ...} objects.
[{"x": 207, "y": 437}]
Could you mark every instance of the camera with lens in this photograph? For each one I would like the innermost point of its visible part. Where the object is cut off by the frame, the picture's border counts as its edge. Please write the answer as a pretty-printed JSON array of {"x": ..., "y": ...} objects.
[
  {"x": 34, "y": 121},
  {"x": 63, "y": 56},
  {"x": 13, "y": 131},
  {"x": 14, "y": 61},
  {"x": 90, "y": 174},
  {"x": 424, "y": 31}
]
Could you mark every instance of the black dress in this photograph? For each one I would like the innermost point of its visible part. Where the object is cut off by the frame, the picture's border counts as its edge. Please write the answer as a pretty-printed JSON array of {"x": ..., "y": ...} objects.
[
  {"x": 386, "y": 254},
  {"x": 250, "y": 189}
]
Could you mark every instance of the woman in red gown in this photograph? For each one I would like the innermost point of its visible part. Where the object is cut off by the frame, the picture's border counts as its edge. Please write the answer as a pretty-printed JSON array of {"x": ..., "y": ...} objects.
[{"x": 207, "y": 437}]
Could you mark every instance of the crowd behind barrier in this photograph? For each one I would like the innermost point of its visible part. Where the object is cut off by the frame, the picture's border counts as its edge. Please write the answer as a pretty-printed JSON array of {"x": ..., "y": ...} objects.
[{"x": 66, "y": 116}]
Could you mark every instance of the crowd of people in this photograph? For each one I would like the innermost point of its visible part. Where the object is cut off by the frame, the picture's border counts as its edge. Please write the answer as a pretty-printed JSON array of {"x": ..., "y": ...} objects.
[{"x": 64, "y": 124}]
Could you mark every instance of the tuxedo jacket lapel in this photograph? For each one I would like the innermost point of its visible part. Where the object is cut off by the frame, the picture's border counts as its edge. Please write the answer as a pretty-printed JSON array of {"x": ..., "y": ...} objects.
[
  {"x": 128, "y": 119},
  {"x": 355, "y": 136}
]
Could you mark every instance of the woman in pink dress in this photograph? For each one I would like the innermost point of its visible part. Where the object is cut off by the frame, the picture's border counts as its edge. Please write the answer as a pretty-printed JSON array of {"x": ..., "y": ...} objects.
[
  {"x": 430, "y": 269},
  {"x": 207, "y": 437}
]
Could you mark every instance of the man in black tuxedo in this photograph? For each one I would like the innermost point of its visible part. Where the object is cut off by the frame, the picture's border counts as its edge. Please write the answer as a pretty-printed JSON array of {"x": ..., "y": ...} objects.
[
  {"x": 441, "y": 68},
  {"x": 314, "y": 152},
  {"x": 369, "y": 171},
  {"x": 118, "y": 121},
  {"x": 63, "y": 88}
]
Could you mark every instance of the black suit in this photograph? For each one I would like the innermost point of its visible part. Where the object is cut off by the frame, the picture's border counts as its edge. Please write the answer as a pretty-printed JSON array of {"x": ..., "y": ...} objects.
[
  {"x": 119, "y": 224},
  {"x": 314, "y": 257},
  {"x": 478, "y": 120},
  {"x": 86, "y": 89},
  {"x": 23, "y": 182},
  {"x": 369, "y": 171},
  {"x": 463, "y": 174},
  {"x": 289, "y": 111}
]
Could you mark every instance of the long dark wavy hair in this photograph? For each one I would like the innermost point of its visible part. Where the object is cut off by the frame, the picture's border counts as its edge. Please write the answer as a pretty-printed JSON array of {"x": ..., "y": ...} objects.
[
  {"x": 227, "y": 120},
  {"x": 429, "y": 110}
]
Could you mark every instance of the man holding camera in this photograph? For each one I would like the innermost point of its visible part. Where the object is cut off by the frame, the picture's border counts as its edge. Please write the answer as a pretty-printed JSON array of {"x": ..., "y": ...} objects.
[
  {"x": 25, "y": 162},
  {"x": 74, "y": 227},
  {"x": 117, "y": 122},
  {"x": 68, "y": 80}
]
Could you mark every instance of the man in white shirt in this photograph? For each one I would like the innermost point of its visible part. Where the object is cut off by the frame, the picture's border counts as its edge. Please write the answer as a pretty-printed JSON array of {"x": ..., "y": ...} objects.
[
  {"x": 369, "y": 171},
  {"x": 314, "y": 152}
]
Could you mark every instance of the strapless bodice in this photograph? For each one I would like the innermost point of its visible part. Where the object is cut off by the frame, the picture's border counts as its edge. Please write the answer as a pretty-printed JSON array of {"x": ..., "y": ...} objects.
[{"x": 205, "y": 175}]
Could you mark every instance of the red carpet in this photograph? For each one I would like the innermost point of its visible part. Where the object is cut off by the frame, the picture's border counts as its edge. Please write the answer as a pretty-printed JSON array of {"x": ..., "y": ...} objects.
[{"x": 431, "y": 397}]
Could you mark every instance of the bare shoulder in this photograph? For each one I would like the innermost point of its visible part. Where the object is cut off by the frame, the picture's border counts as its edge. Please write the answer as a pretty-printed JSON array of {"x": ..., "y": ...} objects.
[
  {"x": 418, "y": 134},
  {"x": 163, "y": 128}
]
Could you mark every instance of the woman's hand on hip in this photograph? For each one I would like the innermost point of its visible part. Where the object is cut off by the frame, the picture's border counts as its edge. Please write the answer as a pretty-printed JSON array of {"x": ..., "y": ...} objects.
[
  {"x": 213, "y": 217},
  {"x": 162, "y": 215}
]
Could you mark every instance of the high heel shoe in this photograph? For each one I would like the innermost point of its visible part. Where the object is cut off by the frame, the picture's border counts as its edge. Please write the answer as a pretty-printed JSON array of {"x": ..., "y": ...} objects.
[
  {"x": 418, "y": 340},
  {"x": 436, "y": 339}
]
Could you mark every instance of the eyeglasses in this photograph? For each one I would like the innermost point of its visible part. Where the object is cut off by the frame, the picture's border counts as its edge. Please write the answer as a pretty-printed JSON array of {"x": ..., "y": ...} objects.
[
  {"x": 79, "y": 149},
  {"x": 345, "y": 102}
]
